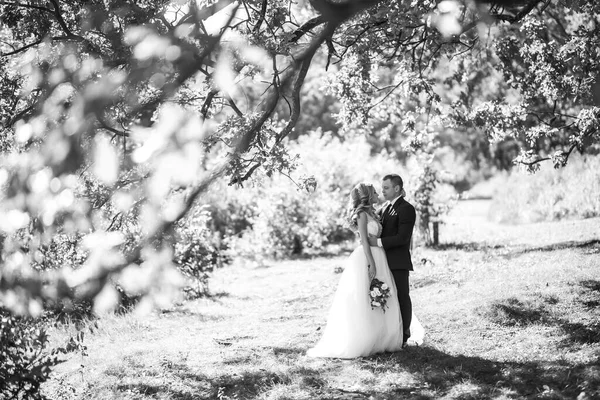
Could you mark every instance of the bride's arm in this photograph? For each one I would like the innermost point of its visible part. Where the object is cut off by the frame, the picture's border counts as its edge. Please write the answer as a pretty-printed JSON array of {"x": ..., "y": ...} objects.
[{"x": 364, "y": 240}]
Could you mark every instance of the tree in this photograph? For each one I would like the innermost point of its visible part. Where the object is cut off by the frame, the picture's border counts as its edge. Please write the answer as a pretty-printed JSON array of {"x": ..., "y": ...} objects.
[
  {"x": 551, "y": 62},
  {"x": 129, "y": 108}
]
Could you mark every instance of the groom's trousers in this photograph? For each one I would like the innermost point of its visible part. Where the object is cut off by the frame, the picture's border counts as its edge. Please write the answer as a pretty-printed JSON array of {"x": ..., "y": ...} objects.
[{"x": 402, "y": 286}]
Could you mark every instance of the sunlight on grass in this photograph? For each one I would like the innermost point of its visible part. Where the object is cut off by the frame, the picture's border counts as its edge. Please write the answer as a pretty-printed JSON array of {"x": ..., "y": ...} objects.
[{"x": 503, "y": 320}]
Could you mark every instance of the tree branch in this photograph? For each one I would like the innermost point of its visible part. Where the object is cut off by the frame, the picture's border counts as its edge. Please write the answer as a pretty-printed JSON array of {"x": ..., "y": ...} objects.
[
  {"x": 339, "y": 12},
  {"x": 306, "y": 27},
  {"x": 530, "y": 163},
  {"x": 542, "y": 159},
  {"x": 207, "y": 102},
  {"x": 234, "y": 107},
  {"x": 295, "y": 114},
  {"x": 386, "y": 95},
  {"x": 21, "y": 49},
  {"x": 11, "y": 3},
  {"x": 104, "y": 125},
  {"x": 165, "y": 22},
  {"x": 210, "y": 10},
  {"x": 261, "y": 17},
  {"x": 188, "y": 70},
  {"x": 62, "y": 22},
  {"x": 521, "y": 14}
]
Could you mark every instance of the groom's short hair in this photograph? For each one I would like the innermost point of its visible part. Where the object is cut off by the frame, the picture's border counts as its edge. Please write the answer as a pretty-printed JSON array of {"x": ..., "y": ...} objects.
[{"x": 395, "y": 179}]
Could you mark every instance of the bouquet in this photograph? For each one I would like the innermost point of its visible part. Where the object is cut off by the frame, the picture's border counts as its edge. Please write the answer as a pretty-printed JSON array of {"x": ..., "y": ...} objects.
[{"x": 378, "y": 294}]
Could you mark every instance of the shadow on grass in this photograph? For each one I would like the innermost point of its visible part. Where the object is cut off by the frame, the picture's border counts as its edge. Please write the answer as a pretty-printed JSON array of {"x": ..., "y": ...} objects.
[
  {"x": 434, "y": 374},
  {"x": 468, "y": 247},
  {"x": 582, "y": 333},
  {"x": 160, "y": 391},
  {"x": 547, "y": 310},
  {"x": 464, "y": 377},
  {"x": 589, "y": 298},
  {"x": 288, "y": 351},
  {"x": 515, "y": 312},
  {"x": 185, "y": 384},
  {"x": 590, "y": 293},
  {"x": 420, "y": 282},
  {"x": 191, "y": 312},
  {"x": 518, "y": 250},
  {"x": 326, "y": 254},
  {"x": 588, "y": 244},
  {"x": 430, "y": 372}
]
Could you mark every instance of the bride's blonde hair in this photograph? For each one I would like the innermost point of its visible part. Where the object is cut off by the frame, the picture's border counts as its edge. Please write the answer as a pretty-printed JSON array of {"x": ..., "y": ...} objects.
[{"x": 359, "y": 201}]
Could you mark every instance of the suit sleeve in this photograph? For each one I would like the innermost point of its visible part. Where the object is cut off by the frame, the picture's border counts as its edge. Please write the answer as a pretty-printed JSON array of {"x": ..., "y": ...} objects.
[{"x": 406, "y": 222}]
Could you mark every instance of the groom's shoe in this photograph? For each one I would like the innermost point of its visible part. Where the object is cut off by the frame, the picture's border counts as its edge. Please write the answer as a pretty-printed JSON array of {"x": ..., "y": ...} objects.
[{"x": 405, "y": 338}]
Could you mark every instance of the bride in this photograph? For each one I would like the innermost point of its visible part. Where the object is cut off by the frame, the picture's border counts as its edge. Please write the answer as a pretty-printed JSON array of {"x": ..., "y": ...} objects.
[{"x": 353, "y": 328}]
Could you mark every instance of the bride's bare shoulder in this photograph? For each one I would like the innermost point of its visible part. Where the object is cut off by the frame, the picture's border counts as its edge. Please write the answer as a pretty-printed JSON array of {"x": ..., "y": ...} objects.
[{"x": 361, "y": 215}]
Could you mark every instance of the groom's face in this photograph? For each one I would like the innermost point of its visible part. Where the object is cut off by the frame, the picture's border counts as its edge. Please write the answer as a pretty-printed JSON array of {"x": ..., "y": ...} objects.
[{"x": 388, "y": 190}]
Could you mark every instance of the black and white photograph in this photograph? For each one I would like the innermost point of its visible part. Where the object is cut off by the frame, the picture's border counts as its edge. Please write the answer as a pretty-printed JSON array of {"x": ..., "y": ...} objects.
[{"x": 299, "y": 199}]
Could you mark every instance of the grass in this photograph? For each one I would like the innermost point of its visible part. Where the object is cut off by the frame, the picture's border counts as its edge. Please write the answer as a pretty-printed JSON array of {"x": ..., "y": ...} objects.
[
  {"x": 510, "y": 312},
  {"x": 550, "y": 194}
]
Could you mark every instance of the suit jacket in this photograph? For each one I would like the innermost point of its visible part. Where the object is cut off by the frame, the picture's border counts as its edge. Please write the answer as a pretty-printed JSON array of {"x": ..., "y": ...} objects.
[{"x": 397, "y": 231}]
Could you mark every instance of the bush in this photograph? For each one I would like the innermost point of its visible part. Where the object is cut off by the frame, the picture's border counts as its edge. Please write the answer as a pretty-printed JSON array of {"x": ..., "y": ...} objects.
[
  {"x": 572, "y": 192},
  {"x": 432, "y": 198},
  {"x": 197, "y": 250},
  {"x": 25, "y": 359},
  {"x": 277, "y": 217}
]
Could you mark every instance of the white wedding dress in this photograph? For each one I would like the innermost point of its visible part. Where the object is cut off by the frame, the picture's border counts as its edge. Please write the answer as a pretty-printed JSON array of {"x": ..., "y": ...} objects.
[{"x": 353, "y": 328}]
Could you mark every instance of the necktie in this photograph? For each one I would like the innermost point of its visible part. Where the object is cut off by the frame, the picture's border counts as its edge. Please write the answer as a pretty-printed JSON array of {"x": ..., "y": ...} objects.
[{"x": 387, "y": 209}]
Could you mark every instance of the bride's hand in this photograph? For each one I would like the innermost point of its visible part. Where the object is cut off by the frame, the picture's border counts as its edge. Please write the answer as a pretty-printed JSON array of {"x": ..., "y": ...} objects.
[
  {"x": 372, "y": 271},
  {"x": 372, "y": 241}
]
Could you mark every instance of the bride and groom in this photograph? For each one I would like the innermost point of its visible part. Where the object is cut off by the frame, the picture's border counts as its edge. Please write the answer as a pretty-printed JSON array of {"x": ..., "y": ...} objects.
[{"x": 353, "y": 328}]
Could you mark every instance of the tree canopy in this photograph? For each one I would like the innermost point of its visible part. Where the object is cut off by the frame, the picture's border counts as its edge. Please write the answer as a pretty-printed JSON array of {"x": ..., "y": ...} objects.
[{"x": 108, "y": 107}]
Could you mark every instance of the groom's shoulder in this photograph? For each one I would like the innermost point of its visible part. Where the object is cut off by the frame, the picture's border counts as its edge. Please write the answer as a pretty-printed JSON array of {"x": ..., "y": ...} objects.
[
  {"x": 405, "y": 203},
  {"x": 407, "y": 206}
]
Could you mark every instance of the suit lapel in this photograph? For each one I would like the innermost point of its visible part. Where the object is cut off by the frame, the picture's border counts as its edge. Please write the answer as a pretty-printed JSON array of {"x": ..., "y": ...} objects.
[
  {"x": 392, "y": 210},
  {"x": 386, "y": 211}
]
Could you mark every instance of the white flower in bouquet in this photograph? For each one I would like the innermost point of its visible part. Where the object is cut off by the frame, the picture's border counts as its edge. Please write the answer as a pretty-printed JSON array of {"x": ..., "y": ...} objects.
[{"x": 378, "y": 294}]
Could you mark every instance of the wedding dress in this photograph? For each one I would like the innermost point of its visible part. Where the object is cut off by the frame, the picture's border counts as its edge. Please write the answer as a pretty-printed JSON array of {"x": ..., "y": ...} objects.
[{"x": 354, "y": 329}]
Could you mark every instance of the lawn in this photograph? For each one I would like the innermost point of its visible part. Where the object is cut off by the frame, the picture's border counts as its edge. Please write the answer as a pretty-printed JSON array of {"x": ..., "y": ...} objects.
[{"x": 509, "y": 312}]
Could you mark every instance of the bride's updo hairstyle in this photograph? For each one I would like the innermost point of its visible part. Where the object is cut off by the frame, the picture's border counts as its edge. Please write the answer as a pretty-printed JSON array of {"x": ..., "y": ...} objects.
[{"x": 359, "y": 202}]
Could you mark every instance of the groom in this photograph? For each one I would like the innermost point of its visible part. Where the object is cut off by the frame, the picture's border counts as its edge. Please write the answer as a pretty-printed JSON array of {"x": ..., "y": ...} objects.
[{"x": 398, "y": 219}]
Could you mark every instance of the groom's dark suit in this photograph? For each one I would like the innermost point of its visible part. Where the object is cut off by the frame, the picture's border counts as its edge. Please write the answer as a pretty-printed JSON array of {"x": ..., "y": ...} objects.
[{"x": 398, "y": 222}]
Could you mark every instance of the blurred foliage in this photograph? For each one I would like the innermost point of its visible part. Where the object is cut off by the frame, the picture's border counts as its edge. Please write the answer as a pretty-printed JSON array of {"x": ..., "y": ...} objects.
[
  {"x": 429, "y": 203},
  {"x": 117, "y": 117},
  {"x": 571, "y": 192},
  {"x": 197, "y": 250},
  {"x": 280, "y": 216},
  {"x": 26, "y": 360}
]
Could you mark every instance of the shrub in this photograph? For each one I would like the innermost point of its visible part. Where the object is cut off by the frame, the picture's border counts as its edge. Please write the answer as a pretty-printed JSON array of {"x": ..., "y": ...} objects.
[
  {"x": 197, "y": 250},
  {"x": 277, "y": 217},
  {"x": 550, "y": 194},
  {"x": 25, "y": 359}
]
